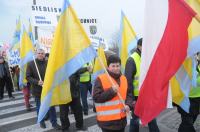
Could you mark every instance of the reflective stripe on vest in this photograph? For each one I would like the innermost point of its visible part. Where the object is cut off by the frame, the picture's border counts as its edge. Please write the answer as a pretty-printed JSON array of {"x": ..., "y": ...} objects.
[
  {"x": 112, "y": 109},
  {"x": 109, "y": 103},
  {"x": 136, "y": 57},
  {"x": 109, "y": 112},
  {"x": 195, "y": 92},
  {"x": 85, "y": 77}
]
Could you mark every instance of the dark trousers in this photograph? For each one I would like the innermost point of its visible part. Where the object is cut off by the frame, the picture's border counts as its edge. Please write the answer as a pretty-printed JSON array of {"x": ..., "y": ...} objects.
[
  {"x": 51, "y": 112},
  {"x": 84, "y": 88},
  {"x": 134, "y": 124},
  {"x": 188, "y": 119},
  {"x": 18, "y": 82},
  {"x": 6, "y": 81},
  {"x": 76, "y": 107},
  {"x": 105, "y": 130}
]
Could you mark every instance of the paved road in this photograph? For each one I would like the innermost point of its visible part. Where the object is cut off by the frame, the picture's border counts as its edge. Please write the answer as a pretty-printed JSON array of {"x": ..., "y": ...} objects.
[{"x": 15, "y": 118}]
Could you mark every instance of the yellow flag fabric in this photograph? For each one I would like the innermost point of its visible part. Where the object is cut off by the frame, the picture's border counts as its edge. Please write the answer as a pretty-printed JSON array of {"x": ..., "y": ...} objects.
[
  {"x": 30, "y": 32},
  {"x": 26, "y": 55},
  {"x": 16, "y": 38},
  {"x": 181, "y": 84},
  {"x": 98, "y": 69},
  {"x": 71, "y": 49},
  {"x": 128, "y": 40},
  {"x": 193, "y": 30}
]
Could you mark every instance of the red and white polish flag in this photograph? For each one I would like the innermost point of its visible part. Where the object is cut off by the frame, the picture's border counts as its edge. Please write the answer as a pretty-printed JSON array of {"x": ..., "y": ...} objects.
[{"x": 164, "y": 49}]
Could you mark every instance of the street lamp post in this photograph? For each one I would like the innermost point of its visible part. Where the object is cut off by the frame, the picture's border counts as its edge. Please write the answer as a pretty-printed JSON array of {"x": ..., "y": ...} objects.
[{"x": 35, "y": 27}]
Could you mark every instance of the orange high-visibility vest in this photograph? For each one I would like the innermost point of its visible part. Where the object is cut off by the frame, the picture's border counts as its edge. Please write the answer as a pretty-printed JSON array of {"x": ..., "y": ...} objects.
[{"x": 112, "y": 109}]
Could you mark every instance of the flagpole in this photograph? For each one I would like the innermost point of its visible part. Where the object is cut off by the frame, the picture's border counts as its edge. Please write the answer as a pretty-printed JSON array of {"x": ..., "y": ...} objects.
[
  {"x": 37, "y": 69},
  {"x": 197, "y": 17},
  {"x": 10, "y": 72},
  {"x": 118, "y": 94},
  {"x": 11, "y": 78}
]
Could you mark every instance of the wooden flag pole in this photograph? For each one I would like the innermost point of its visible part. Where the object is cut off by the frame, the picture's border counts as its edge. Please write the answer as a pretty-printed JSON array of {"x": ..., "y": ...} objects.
[
  {"x": 197, "y": 17},
  {"x": 37, "y": 69},
  {"x": 14, "y": 88},
  {"x": 118, "y": 94},
  {"x": 12, "y": 79}
]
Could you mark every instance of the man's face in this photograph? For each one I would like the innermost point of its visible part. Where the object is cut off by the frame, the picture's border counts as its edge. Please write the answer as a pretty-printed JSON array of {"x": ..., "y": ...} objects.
[
  {"x": 114, "y": 68},
  {"x": 198, "y": 57},
  {"x": 40, "y": 54},
  {"x": 140, "y": 48}
]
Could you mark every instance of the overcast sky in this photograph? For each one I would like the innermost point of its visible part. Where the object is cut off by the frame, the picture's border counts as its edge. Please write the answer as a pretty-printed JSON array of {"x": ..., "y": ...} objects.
[{"x": 106, "y": 11}]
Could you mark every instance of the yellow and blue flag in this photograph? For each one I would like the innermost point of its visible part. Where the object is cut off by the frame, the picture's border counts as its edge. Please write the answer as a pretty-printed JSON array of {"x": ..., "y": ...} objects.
[
  {"x": 16, "y": 38},
  {"x": 98, "y": 69},
  {"x": 26, "y": 55},
  {"x": 185, "y": 78},
  {"x": 181, "y": 84},
  {"x": 71, "y": 49},
  {"x": 194, "y": 29},
  {"x": 30, "y": 32},
  {"x": 128, "y": 40}
]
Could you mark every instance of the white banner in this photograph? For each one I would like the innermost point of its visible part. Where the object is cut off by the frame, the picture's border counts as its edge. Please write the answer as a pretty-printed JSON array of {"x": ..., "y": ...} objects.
[
  {"x": 45, "y": 13},
  {"x": 45, "y": 38},
  {"x": 44, "y": 20}
]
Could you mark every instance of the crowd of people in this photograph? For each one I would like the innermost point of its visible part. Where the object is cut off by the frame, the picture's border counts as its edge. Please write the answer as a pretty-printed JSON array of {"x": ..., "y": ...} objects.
[{"x": 111, "y": 110}]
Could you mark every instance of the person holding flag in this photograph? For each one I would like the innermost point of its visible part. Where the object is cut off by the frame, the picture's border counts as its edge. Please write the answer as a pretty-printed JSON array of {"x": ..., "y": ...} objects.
[
  {"x": 71, "y": 49},
  {"x": 33, "y": 77},
  {"x": 26, "y": 55},
  {"x": 132, "y": 73},
  {"x": 111, "y": 113}
]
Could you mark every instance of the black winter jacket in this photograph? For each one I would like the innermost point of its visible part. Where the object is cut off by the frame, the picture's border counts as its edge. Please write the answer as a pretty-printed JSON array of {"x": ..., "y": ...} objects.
[
  {"x": 75, "y": 81},
  {"x": 33, "y": 78}
]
